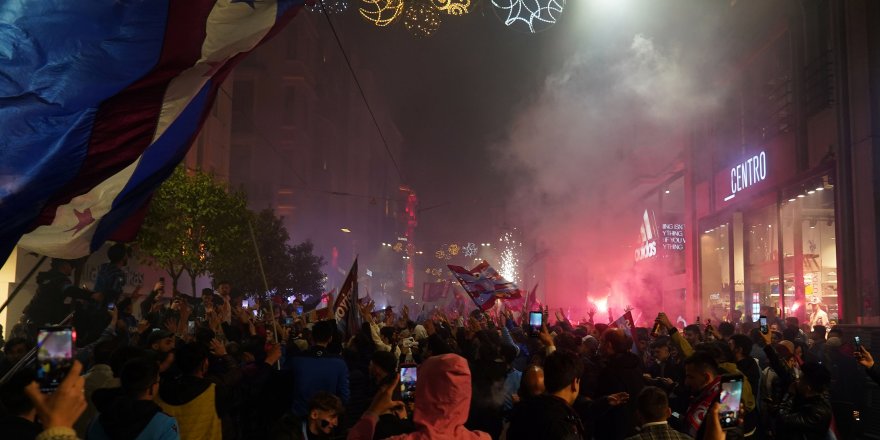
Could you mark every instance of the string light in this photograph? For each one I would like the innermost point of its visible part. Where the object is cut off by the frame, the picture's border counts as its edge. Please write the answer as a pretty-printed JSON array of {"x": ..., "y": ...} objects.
[
  {"x": 530, "y": 15},
  {"x": 454, "y": 249},
  {"x": 381, "y": 12},
  {"x": 331, "y": 6},
  {"x": 453, "y": 7},
  {"x": 421, "y": 18}
]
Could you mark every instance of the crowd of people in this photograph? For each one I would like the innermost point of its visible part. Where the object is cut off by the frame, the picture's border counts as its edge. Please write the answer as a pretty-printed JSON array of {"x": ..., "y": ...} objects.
[{"x": 169, "y": 365}]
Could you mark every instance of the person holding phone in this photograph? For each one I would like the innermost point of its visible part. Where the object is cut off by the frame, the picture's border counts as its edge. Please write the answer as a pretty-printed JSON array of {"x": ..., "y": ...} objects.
[
  {"x": 866, "y": 360},
  {"x": 806, "y": 414}
]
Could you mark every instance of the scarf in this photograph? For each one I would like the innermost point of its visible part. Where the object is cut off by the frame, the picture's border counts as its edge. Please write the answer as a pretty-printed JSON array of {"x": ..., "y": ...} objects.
[{"x": 700, "y": 406}]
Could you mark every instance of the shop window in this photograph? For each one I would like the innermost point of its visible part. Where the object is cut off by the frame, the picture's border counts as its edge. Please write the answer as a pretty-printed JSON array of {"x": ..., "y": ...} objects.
[
  {"x": 761, "y": 237},
  {"x": 810, "y": 254},
  {"x": 715, "y": 271}
]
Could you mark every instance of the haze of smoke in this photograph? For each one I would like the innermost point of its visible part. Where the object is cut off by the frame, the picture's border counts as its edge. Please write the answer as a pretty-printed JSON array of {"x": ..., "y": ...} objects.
[{"x": 600, "y": 128}]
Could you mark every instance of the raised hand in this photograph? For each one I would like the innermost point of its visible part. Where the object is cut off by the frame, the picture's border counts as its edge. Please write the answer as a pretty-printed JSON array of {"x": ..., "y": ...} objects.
[
  {"x": 62, "y": 408},
  {"x": 864, "y": 357}
]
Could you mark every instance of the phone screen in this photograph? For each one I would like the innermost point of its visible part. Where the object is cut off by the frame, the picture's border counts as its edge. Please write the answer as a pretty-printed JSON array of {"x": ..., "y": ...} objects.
[
  {"x": 764, "y": 328},
  {"x": 288, "y": 321},
  {"x": 857, "y": 340},
  {"x": 299, "y": 310},
  {"x": 191, "y": 327},
  {"x": 536, "y": 321},
  {"x": 729, "y": 400},
  {"x": 244, "y": 304},
  {"x": 408, "y": 377},
  {"x": 54, "y": 356},
  {"x": 111, "y": 306}
]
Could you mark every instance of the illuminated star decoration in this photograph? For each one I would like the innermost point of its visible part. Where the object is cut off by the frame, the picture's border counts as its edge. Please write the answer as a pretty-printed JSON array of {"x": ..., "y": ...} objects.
[
  {"x": 470, "y": 250},
  {"x": 531, "y": 15},
  {"x": 83, "y": 219},
  {"x": 453, "y": 7},
  {"x": 331, "y": 6},
  {"x": 381, "y": 12},
  {"x": 454, "y": 249}
]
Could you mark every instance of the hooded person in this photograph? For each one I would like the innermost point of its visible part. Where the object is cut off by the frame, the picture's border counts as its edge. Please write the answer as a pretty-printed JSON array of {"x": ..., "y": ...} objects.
[{"x": 442, "y": 402}]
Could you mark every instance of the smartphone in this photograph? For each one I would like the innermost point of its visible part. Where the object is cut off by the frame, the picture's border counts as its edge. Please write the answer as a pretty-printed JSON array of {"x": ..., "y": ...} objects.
[
  {"x": 857, "y": 341},
  {"x": 111, "y": 306},
  {"x": 536, "y": 322},
  {"x": 191, "y": 327},
  {"x": 244, "y": 304},
  {"x": 256, "y": 313},
  {"x": 408, "y": 377},
  {"x": 299, "y": 310},
  {"x": 764, "y": 327},
  {"x": 729, "y": 400},
  {"x": 55, "y": 347},
  {"x": 288, "y": 321}
]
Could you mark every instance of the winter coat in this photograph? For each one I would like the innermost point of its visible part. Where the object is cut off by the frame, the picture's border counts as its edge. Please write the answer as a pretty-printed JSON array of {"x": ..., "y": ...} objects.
[{"x": 442, "y": 401}]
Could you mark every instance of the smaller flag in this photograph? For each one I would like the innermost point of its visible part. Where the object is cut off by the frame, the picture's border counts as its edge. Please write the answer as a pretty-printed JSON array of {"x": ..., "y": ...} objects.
[
  {"x": 485, "y": 285},
  {"x": 625, "y": 323},
  {"x": 347, "y": 299},
  {"x": 435, "y": 291}
]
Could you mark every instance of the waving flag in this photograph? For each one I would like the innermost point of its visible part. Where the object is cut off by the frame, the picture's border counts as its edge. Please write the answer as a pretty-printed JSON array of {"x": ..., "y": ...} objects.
[
  {"x": 100, "y": 100},
  {"x": 485, "y": 285},
  {"x": 345, "y": 307}
]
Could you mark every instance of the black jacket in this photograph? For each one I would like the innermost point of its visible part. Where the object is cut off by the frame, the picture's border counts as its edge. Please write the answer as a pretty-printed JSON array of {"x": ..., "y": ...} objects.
[
  {"x": 545, "y": 417},
  {"x": 50, "y": 303},
  {"x": 622, "y": 372},
  {"x": 804, "y": 419}
]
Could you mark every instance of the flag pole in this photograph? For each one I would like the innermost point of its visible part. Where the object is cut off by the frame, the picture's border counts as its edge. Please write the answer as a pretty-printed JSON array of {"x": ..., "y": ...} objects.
[{"x": 266, "y": 285}]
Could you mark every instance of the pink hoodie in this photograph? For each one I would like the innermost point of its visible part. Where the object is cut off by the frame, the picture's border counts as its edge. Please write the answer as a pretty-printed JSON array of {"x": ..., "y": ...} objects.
[{"x": 443, "y": 398}]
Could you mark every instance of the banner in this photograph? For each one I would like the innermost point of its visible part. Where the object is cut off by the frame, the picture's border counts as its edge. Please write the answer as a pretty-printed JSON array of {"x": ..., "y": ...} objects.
[{"x": 347, "y": 301}]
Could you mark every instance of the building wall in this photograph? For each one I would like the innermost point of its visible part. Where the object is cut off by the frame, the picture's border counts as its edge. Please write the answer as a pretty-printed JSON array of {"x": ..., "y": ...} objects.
[
  {"x": 811, "y": 64},
  {"x": 303, "y": 144}
]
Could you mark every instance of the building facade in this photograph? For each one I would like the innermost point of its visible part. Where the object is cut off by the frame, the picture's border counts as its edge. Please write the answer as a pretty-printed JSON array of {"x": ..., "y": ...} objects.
[{"x": 782, "y": 179}]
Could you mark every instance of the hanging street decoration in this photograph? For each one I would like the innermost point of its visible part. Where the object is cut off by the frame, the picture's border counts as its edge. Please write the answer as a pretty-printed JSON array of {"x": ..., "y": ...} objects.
[
  {"x": 454, "y": 249},
  {"x": 331, "y": 6},
  {"x": 470, "y": 250},
  {"x": 421, "y": 18},
  {"x": 529, "y": 15},
  {"x": 381, "y": 12},
  {"x": 453, "y": 7}
]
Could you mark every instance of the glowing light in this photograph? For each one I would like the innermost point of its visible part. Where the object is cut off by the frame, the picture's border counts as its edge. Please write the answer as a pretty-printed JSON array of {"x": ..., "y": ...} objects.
[
  {"x": 381, "y": 12},
  {"x": 509, "y": 258},
  {"x": 346, "y": 230},
  {"x": 795, "y": 306},
  {"x": 421, "y": 18},
  {"x": 800, "y": 196},
  {"x": 453, "y": 7},
  {"x": 454, "y": 249},
  {"x": 529, "y": 15},
  {"x": 331, "y": 6},
  {"x": 398, "y": 247},
  {"x": 601, "y": 305},
  {"x": 470, "y": 250}
]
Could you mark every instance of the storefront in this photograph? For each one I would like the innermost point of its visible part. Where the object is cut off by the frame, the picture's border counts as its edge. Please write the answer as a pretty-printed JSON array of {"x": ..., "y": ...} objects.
[{"x": 767, "y": 241}]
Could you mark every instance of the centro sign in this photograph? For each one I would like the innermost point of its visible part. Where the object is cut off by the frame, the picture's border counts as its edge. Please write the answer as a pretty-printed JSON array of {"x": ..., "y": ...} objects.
[{"x": 748, "y": 173}]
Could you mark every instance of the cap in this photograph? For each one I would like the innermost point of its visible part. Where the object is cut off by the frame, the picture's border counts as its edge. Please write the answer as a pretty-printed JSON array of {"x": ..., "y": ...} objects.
[{"x": 158, "y": 334}]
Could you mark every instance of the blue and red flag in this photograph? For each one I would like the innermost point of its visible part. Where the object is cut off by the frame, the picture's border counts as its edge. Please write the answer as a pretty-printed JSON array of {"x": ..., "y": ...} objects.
[
  {"x": 485, "y": 285},
  {"x": 100, "y": 100}
]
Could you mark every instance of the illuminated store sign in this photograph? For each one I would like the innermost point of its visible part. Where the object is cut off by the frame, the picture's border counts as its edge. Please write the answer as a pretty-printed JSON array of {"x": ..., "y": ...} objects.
[
  {"x": 647, "y": 233},
  {"x": 747, "y": 174}
]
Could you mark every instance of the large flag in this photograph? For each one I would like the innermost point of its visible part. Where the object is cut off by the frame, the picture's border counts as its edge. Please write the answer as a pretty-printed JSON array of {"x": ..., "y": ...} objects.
[
  {"x": 485, "y": 285},
  {"x": 628, "y": 325},
  {"x": 432, "y": 292},
  {"x": 345, "y": 308},
  {"x": 100, "y": 100}
]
